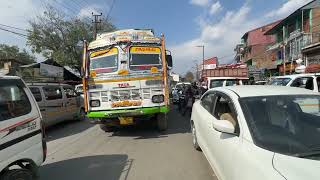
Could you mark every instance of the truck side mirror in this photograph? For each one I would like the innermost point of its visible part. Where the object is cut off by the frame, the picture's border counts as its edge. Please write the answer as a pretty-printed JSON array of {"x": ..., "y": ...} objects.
[{"x": 169, "y": 60}]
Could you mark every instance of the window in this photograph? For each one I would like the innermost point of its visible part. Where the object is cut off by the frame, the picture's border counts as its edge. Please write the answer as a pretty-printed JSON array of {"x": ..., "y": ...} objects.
[
  {"x": 52, "y": 92},
  {"x": 207, "y": 102},
  {"x": 70, "y": 93},
  {"x": 287, "y": 124},
  {"x": 224, "y": 110},
  {"x": 104, "y": 61},
  {"x": 36, "y": 93},
  {"x": 303, "y": 82},
  {"x": 216, "y": 83},
  {"x": 13, "y": 100},
  {"x": 144, "y": 58},
  {"x": 232, "y": 82}
]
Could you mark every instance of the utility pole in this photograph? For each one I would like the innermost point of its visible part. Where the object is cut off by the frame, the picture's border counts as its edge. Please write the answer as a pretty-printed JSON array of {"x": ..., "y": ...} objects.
[
  {"x": 202, "y": 59},
  {"x": 95, "y": 22}
]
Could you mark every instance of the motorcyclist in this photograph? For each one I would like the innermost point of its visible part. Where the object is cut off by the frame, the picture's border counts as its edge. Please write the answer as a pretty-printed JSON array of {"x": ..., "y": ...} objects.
[{"x": 189, "y": 100}]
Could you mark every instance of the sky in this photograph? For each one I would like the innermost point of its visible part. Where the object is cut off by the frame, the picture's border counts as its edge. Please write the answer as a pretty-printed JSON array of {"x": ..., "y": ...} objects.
[{"x": 216, "y": 24}]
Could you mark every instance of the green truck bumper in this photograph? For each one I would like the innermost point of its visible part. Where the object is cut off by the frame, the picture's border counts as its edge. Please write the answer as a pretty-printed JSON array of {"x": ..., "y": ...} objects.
[{"x": 128, "y": 112}]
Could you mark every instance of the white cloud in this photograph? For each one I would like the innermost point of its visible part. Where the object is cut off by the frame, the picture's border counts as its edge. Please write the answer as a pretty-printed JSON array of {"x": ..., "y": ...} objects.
[
  {"x": 287, "y": 8},
  {"x": 215, "y": 8},
  {"x": 219, "y": 39},
  {"x": 202, "y": 3},
  {"x": 86, "y": 11}
]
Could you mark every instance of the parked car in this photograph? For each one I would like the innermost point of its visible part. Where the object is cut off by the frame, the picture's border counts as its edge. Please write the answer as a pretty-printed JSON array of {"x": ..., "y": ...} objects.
[
  {"x": 57, "y": 102},
  {"x": 214, "y": 82},
  {"x": 307, "y": 81},
  {"x": 23, "y": 147},
  {"x": 178, "y": 87},
  {"x": 259, "y": 132}
]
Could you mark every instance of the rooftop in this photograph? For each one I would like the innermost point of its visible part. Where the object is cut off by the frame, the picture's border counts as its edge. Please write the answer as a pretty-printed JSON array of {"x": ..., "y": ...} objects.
[{"x": 262, "y": 90}]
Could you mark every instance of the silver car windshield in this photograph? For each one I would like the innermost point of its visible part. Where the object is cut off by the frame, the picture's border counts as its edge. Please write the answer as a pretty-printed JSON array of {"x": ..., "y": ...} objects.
[{"x": 284, "y": 124}]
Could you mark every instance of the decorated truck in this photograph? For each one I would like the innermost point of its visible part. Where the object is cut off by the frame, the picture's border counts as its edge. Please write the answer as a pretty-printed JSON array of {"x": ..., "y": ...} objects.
[{"x": 125, "y": 79}]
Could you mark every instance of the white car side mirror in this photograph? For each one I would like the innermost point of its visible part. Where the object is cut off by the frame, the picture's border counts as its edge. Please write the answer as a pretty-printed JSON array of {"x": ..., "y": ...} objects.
[{"x": 223, "y": 126}]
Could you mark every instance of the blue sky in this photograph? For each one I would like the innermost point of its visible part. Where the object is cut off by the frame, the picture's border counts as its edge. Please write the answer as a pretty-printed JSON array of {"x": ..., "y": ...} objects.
[{"x": 217, "y": 24}]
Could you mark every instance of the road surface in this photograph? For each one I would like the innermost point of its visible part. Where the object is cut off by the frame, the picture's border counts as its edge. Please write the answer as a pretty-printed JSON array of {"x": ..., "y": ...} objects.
[{"x": 81, "y": 151}]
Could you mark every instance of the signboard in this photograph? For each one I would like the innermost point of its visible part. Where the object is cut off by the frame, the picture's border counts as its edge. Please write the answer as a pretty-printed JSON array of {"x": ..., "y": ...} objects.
[
  {"x": 51, "y": 71},
  {"x": 210, "y": 66},
  {"x": 145, "y": 50}
]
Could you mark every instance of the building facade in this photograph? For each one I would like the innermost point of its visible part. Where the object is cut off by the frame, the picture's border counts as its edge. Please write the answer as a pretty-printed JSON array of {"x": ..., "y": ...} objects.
[
  {"x": 297, "y": 37},
  {"x": 253, "y": 50}
]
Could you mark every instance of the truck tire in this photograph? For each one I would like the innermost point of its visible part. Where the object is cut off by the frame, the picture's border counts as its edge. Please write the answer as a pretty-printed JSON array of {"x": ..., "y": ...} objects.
[
  {"x": 106, "y": 128},
  {"x": 162, "y": 121},
  {"x": 17, "y": 174}
]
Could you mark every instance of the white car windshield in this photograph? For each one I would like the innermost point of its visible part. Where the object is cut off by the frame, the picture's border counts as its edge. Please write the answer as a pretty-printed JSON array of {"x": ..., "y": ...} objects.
[
  {"x": 279, "y": 81},
  {"x": 284, "y": 124}
]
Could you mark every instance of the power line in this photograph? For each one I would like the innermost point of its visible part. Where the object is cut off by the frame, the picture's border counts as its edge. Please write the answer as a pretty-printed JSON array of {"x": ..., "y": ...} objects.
[
  {"x": 13, "y": 32},
  {"x": 111, "y": 7},
  {"x": 14, "y": 27}
]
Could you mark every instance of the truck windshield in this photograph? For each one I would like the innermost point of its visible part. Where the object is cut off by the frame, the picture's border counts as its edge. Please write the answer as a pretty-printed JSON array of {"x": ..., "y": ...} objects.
[
  {"x": 104, "y": 61},
  {"x": 144, "y": 58}
]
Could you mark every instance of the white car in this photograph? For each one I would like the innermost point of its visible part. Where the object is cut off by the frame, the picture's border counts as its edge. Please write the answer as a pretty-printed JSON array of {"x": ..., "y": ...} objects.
[
  {"x": 259, "y": 132},
  {"x": 307, "y": 81}
]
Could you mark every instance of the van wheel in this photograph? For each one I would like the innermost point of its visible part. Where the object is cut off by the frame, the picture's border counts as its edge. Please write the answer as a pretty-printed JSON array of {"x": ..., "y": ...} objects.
[
  {"x": 106, "y": 128},
  {"x": 162, "y": 121},
  {"x": 82, "y": 115},
  {"x": 17, "y": 174}
]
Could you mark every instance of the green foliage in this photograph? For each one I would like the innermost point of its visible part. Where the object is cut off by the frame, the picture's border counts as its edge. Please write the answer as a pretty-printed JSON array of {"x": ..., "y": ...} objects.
[
  {"x": 56, "y": 37},
  {"x": 13, "y": 52}
]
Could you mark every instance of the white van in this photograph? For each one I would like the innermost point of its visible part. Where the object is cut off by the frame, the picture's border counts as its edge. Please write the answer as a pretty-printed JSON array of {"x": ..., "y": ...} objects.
[
  {"x": 214, "y": 82},
  {"x": 57, "y": 102},
  {"x": 22, "y": 145}
]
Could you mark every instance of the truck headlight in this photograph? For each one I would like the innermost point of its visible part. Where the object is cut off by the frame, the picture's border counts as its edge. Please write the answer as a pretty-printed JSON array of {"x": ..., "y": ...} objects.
[
  {"x": 94, "y": 103},
  {"x": 157, "y": 98}
]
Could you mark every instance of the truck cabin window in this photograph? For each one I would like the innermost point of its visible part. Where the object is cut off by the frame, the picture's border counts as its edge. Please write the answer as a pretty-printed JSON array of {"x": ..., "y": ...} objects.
[
  {"x": 144, "y": 58},
  {"x": 104, "y": 61}
]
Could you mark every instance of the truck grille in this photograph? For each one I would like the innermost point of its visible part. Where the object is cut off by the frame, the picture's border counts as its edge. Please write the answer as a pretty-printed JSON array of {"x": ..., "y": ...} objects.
[{"x": 133, "y": 94}]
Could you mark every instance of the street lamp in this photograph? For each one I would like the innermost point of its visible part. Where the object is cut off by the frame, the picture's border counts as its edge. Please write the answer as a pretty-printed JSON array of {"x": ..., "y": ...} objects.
[{"x": 202, "y": 46}]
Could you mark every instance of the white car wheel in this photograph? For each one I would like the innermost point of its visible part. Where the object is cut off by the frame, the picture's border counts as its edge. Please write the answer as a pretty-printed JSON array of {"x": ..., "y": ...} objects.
[{"x": 194, "y": 138}]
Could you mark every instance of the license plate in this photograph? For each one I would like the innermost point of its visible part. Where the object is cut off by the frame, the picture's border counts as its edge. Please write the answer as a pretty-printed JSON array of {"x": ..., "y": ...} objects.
[{"x": 126, "y": 120}]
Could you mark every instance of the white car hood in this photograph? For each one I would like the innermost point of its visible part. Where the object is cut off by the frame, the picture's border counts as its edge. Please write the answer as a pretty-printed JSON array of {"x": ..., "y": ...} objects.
[{"x": 293, "y": 168}]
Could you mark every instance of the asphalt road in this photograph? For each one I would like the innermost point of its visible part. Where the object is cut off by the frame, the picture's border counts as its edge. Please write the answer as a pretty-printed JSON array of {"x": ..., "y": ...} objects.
[{"x": 81, "y": 151}]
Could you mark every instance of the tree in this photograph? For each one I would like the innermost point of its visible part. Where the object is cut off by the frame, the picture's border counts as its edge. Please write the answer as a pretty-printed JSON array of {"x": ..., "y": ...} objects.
[
  {"x": 189, "y": 76},
  {"x": 56, "y": 37},
  {"x": 13, "y": 52}
]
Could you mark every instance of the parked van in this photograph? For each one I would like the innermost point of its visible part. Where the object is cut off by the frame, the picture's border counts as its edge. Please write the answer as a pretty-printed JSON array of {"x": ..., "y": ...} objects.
[
  {"x": 214, "y": 82},
  {"x": 57, "y": 102},
  {"x": 307, "y": 81},
  {"x": 22, "y": 140}
]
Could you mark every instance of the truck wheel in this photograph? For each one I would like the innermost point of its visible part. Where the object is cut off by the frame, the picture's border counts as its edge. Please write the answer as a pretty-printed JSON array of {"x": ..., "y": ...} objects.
[
  {"x": 17, "y": 174},
  {"x": 106, "y": 128},
  {"x": 162, "y": 121}
]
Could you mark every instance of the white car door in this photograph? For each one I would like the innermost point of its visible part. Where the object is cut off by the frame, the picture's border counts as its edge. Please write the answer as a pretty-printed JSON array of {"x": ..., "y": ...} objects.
[
  {"x": 224, "y": 147},
  {"x": 203, "y": 118}
]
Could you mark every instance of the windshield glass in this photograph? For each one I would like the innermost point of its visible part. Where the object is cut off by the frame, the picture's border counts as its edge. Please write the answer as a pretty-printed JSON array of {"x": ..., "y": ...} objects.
[
  {"x": 104, "y": 61},
  {"x": 279, "y": 81},
  {"x": 216, "y": 83},
  {"x": 144, "y": 58},
  {"x": 284, "y": 124}
]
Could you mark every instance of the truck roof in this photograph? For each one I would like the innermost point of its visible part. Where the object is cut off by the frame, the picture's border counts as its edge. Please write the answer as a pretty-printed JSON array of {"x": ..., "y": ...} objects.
[{"x": 126, "y": 35}]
